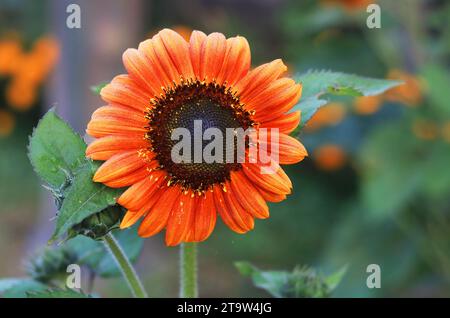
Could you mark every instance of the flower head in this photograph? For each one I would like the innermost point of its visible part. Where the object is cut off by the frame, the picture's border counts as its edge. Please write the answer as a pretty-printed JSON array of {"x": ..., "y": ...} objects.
[{"x": 172, "y": 83}]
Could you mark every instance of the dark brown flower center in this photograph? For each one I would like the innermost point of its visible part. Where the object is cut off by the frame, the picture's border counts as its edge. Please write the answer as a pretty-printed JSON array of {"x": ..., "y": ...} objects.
[{"x": 186, "y": 106}]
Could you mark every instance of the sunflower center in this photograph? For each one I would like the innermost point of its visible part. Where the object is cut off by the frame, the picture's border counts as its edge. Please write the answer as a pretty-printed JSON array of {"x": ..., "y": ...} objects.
[{"x": 195, "y": 107}]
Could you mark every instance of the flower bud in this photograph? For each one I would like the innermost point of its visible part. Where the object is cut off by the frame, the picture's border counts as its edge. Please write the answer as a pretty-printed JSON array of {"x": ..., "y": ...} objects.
[
  {"x": 50, "y": 264},
  {"x": 98, "y": 225}
]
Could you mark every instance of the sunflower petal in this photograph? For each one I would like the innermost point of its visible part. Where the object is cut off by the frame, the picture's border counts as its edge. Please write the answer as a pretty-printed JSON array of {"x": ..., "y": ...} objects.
[
  {"x": 205, "y": 218},
  {"x": 118, "y": 166},
  {"x": 223, "y": 210},
  {"x": 140, "y": 192},
  {"x": 138, "y": 68},
  {"x": 248, "y": 196},
  {"x": 165, "y": 59},
  {"x": 146, "y": 206},
  {"x": 285, "y": 123},
  {"x": 238, "y": 212},
  {"x": 278, "y": 98},
  {"x": 237, "y": 60},
  {"x": 115, "y": 120},
  {"x": 195, "y": 48},
  {"x": 180, "y": 219},
  {"x": 160, "y": 77},
  {"x": 178, "y": 50},
  {"x": 273, "y": 182},
  {"x": 106, "y": 147},
  {"x": 270, "y": 196},
  {"x": 286, "y": 149},
  {"x": 130, "y": 219},
  {"x": 212, "y": 55},
  {"x": 157, "y": 218},
  {"x": 258, "y": 79},
  {"x": 125, "y": 91}
]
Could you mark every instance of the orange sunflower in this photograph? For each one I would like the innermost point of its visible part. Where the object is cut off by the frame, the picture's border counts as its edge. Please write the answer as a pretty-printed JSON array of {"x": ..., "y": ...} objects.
[{"x": 170, "y": 83}]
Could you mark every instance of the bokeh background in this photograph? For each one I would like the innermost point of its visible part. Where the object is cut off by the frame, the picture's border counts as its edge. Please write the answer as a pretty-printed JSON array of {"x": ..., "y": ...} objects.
[{"x": 374, "y": 190}]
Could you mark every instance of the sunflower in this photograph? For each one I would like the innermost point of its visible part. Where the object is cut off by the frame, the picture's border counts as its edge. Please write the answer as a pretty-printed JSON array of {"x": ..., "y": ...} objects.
[{"x": 171, "y": 83}]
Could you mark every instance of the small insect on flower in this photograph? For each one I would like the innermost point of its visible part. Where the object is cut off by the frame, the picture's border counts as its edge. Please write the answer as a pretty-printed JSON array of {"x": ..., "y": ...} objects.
[{"x": 172, "y": 83}]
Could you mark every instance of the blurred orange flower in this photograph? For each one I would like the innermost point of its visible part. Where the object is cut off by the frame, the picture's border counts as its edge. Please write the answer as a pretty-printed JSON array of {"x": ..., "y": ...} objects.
[
  {"x": 328, "y": 115},
  {"x": 409, "y": 93},
  {"x": 6, "y": 123},
  {"x": 425, "y": 129},
  {"x": 10, "y": 55},
  {"x": 349, "y": 4},
  {"x": 21, "y": 94},
  {"x": 330, "y": 157},
  {"x": 36, "y": 65},
  {"x": 26, "y": 69},
  {"x": 367, "y": 105},
  {"x": 182, "y": 30}
]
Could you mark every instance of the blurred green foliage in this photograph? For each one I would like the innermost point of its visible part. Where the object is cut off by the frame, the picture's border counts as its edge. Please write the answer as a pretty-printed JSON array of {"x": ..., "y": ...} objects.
[{"x": 302, "y": 282}]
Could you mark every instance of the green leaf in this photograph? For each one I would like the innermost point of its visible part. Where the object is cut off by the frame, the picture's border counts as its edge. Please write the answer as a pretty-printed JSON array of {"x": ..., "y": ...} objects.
[
  {"x": 82, "y": 199},
  {"x": 50, "y": 264},
  {"x": 55, "y": 150},
  {"x": 301, "y": 282},
  {"x": 318, "y": 83},
  {"x": 309, "y": 106},
  {"x": 438, "y": 92},
  {"x": 94, "y": 254},
  {"x": 18, "y": 287},
  {"x": 274, "y": 282},
  {"x": 344, "y": 91},
  {"x": 96, "y": 89},
  {"x": 334, "y": 279},
  {"x": 58, "y": 155},
  {"x": 245, "y": 268},
  {"x": 57, "y": 293}
]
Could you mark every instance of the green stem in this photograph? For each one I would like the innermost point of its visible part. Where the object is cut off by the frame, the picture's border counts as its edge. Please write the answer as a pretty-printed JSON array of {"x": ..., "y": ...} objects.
[
  {"x": 188, "y": 270},
  {"x": 125, "y": 266}
]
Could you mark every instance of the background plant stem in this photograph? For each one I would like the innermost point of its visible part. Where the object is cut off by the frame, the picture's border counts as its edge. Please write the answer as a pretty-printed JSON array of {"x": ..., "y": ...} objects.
[
  {"x": 188, "y": 270},
  {"x": 125, "y": 266}
]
